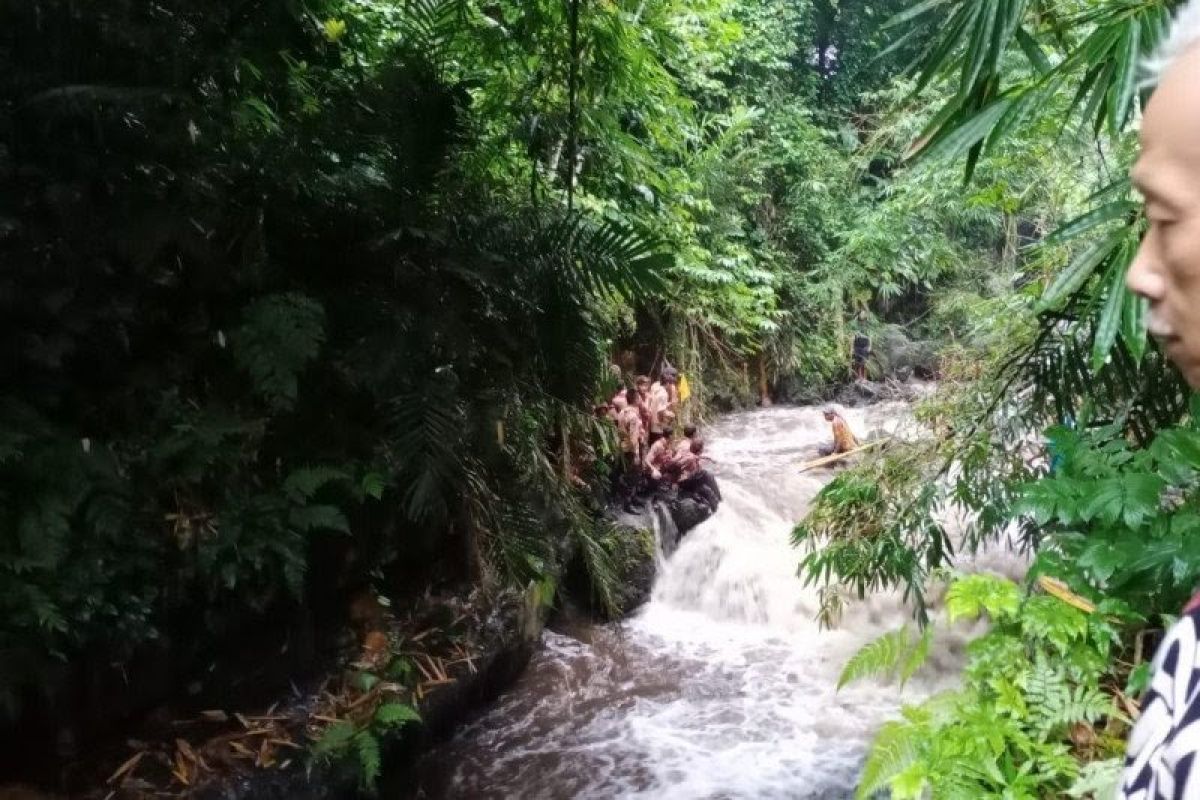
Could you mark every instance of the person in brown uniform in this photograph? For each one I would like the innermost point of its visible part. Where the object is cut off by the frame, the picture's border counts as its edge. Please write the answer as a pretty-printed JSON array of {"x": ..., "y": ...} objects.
[{"x": 844, "y": 439}]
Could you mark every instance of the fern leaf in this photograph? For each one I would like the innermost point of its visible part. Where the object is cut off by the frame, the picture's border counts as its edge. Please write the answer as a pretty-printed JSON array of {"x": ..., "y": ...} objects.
[
  {"x": 279, "y": 335},
  {"x": 894, "y": 750},
  {"x": 318, "y": 517},
  {"x": 916, "y": 657},
  {"x": 305, "y": 482},
  {"x": 370, "y": 760},
  {"x": 392, "y": 715},
  {"x": 335, "y": 740},
  {"x": 879, "y": 657},
  {"x": 975, "y": 594}
]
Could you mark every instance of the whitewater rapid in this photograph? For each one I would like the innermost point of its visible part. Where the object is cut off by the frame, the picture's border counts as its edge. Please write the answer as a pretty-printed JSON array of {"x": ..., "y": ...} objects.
[{"x": 723, "y": 685}]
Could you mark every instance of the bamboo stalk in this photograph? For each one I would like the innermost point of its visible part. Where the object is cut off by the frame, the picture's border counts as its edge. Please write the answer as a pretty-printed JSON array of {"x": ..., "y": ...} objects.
[{"x": 830, "y": 459}]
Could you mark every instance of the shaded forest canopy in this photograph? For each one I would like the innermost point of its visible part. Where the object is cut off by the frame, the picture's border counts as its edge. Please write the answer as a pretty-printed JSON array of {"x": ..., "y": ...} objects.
[{"x": 337, "y": 283}]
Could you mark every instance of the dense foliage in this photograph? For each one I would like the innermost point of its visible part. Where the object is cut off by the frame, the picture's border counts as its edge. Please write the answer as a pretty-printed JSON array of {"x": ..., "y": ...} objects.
[
  {"x": 1070, "y": 436},
  {"x": 336, "y": 283}
]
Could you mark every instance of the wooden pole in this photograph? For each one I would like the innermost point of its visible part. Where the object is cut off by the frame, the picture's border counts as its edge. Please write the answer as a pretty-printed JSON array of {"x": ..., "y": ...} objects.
[{"x": 830, "y": 459}]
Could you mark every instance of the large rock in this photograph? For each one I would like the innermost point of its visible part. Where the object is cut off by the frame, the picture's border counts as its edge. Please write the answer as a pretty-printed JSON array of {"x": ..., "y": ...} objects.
[
  {"x": 895, "y": 355},
  {"x": 635, "y": 543},
  {"x": 629, "y": 549}
]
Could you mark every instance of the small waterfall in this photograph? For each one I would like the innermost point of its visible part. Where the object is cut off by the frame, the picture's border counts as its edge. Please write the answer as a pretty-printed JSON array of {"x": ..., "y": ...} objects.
[{"x": 723, "y": 685}]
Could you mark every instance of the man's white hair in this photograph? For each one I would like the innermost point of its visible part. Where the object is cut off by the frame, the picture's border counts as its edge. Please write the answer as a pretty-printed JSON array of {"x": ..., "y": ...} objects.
[{"x": 1183, "y": 36}]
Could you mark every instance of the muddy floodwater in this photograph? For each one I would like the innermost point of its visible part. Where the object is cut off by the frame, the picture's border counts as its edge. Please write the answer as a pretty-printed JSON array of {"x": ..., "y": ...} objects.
[{"x": 723, "y": 685}]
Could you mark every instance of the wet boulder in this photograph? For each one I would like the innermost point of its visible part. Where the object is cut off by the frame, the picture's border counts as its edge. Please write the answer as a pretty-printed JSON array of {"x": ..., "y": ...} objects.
[
  {"x": 894, "y": 354},
  {"x": 611, "y": 575}
]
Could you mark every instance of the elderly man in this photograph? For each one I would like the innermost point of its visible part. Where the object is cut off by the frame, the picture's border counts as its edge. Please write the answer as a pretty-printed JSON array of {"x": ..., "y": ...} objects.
[{"x": 1164, "y": 746}]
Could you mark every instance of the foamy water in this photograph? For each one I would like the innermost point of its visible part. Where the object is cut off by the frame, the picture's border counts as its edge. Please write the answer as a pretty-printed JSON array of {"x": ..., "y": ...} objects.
[{"x": 723, "y": 686}]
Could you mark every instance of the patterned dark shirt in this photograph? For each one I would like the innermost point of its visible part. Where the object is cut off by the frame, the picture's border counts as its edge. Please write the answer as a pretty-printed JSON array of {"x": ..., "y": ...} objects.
[{"x": 1160, "y": 760}]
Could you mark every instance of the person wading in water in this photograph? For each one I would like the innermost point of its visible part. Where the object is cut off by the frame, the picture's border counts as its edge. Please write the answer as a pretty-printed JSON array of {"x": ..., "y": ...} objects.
[{"x": 1164, "y": 746}]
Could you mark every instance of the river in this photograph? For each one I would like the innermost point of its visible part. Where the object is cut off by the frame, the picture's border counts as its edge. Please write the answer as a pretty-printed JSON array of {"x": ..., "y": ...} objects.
[{"x": 723, "y": 685}]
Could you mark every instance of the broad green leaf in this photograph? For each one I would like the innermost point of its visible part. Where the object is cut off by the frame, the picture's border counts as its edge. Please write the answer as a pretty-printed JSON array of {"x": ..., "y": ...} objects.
[
  {"x": 894, "y": 749},
  {"x": 1103, "y": 500},
  {"x": 1024, "y": 102},
  {"x": 973, "y": 595}
]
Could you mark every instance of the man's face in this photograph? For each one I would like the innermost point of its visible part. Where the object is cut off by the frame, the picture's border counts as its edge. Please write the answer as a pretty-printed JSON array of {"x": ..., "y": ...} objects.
[
  {"x": 829, "y": 416},
  {"x": 1166, "y": 270}
]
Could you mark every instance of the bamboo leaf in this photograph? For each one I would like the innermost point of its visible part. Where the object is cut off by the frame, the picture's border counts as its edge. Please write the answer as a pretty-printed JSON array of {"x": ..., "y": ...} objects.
[
  {"x": 1122, "y": 90},
  {"x": 912, "y": 12},
  {"x": 960, "y": 139},
  {"x": 1133, "y": 325},
  {"x": 1110, "y": 317},
  {"x": 1067, "y": 282},
  {"x": 1023, "y": 102},
  {"x": 938, "y": 58},
  {"x": 1032, "y": 50},
  {"x": 980, "y": 48},
  {"x": 1008, "y": 17},
  {"x": 1092, "y": 219}
]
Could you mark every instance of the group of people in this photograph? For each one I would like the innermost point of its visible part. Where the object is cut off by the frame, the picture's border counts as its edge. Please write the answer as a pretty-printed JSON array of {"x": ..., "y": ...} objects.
[{"x": 652, "y": 457}]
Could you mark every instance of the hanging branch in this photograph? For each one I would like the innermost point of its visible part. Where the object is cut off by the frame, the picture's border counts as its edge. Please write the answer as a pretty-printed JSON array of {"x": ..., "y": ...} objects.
[{"x": 573, "y": 101}]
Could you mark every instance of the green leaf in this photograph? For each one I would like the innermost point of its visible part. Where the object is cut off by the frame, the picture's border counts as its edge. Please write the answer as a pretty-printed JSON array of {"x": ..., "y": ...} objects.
[
  {"x": 879, "y": 657},
  {"x": 1139, "y": 679},
  {"x": 980, "y": 47},
  {"x": 335, "y": 740},
  {"x": 303, "y": 483},
  {"x": 1098, "y": 779},
  {"x": 916, "y": 657},
  {"x": 1032, "y": 50},
  {"x": 1127, "y": 62},
  {"x": 1133, "y": 324},
  {"x": 973, "y": 595},
  {"x": 912, "y": 11},
  {"x": 391, "y": 715},
  {"x": 1110, "y": 316},
  {"x": 952, "y": 143},
  {"x": 910, "y": 784},
  {"x": 1085, "y": 222},
  {"x": 894, "y": 749},
  {"x": 370, "y": 760},
  {"x": 935, "y": 61},
  {"x": 373, "y": 485},
  {"x": 318, "y": 517},
  {"x": 1067, "y": 282}
]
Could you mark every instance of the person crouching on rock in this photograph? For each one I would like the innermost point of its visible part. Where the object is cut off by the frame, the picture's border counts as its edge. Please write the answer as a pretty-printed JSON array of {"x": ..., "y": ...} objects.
[
  {"x": 684, "y": 445},
  {"x": 694, "y": 480},
  {"x": 843, "y": 438}
]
